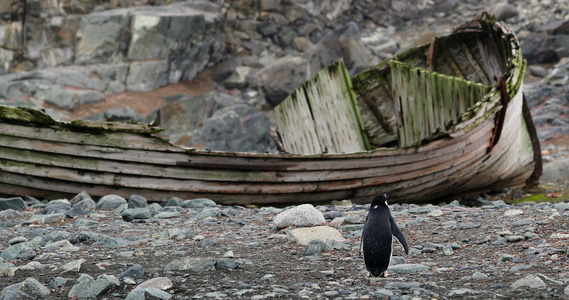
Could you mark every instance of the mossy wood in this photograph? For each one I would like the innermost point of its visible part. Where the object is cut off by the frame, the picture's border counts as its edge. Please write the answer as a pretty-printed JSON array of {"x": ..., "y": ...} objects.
[
  {"x": 321, "y": 116},
  {"x": 45, "y": 158}
]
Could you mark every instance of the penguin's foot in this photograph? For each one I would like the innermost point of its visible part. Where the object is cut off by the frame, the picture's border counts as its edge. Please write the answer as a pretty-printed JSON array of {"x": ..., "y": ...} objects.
[{"x": 384, "y": 274}]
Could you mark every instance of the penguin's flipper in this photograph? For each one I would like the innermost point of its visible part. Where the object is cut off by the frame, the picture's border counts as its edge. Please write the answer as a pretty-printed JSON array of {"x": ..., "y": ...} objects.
[
  {"x": 363, "y": 235},
  {"x": 398, "y": 234}
]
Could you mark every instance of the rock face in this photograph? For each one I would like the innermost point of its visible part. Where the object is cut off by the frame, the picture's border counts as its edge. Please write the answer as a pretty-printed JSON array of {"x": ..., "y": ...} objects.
[
  {"x": 238, "y": 128},
  {"x": 154, "y": 45}
]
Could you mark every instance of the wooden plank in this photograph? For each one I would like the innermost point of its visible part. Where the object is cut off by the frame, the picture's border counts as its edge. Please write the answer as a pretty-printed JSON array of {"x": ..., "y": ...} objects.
[
  {"x": 84, "y": 164},
  {"x": 108, "y": 139},
  {"x": 450, "y": 96},
  {"x": 328, "y": 102}
]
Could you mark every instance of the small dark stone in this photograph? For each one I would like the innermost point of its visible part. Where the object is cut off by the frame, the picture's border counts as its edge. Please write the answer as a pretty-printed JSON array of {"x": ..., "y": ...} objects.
[{"x": 134, "y": 271}]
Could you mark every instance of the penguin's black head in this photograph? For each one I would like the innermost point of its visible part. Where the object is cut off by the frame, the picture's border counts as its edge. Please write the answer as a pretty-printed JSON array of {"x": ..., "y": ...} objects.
[{"x": 379, "y": 201}]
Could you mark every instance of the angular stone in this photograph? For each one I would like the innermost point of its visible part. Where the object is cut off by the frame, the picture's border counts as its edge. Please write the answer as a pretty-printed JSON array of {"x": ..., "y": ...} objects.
[
  {"x": 185, "y": 114},
  {"x": 191, "y": 264},
  {"x": 407, "y": 268},
  {"x": 145, "y": 76},
  {"x": 16, "y": 203},
  {"x": 303, "y": 236},
  {"x": 238, "y": 128},
  {"x": 33, "y": 287},
  {"x": 133, "y": 271},
  {"x": 102, "y": 37},
  {"x": 73, "y": 266},
  {"x": 343, "y": 42},
  {"x": 280, "y": 78},
  {"x": 225, "y": 263},
  {"x": 148, "y": 40},
  {"x": 87, "y": 287},
  {"x": 15, "y": 250}
]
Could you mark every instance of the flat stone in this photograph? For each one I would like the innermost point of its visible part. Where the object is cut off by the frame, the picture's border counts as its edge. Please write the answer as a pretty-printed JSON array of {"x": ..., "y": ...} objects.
[
  {"x": 161, "y": 283},
  {"x": 73, "y": 266},
  {"x": 561, "y": 236},
  {"x": 530, "y": 281},
  {"x": 303, "y": 236},
  {"x": 407, "y": 268},
  {"x": 513, "y": 212},
  {"x": 192, "y": 264},
  {"x": 464, "y": 292},
  {"x": 198, "y": 203},
  {"x": 523, "y": 222}
]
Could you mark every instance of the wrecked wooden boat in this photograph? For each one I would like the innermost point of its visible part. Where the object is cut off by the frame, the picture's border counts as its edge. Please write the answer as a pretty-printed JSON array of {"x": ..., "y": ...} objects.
[{"x": 433, "y": 122}]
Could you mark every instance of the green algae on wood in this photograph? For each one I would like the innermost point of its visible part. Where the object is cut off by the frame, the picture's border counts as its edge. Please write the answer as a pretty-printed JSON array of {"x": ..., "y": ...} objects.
[
  {"x": 429, "y": 103},
  {"x": 25, "y": 115},
  {"x": 322, "y": 116}
]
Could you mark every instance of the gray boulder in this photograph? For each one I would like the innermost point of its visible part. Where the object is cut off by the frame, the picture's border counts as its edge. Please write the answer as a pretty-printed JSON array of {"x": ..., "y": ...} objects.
[
  {"x": 556, "y": 170},
  {"x": 185, "y": 114},
  {"x": 147, "y": 75},
  {"x": 238, "y": 128},
  {"x": 343, "y": 42},
  {"x": 280, "y": 78}
]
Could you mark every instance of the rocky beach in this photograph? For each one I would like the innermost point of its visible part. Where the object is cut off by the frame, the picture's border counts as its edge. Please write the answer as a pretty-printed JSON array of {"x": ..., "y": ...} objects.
[{"x": 123, "y": 60}]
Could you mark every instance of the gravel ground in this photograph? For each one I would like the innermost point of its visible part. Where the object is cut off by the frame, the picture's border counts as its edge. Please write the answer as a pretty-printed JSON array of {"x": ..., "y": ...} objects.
[{"x": 494, "y": 250}]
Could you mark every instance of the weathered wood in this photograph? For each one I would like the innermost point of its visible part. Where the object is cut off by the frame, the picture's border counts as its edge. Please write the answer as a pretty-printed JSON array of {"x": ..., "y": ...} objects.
[
  {"x": 321, "y": 116},
  {"x": 421, "y": 93},
  {"x": 57, "y": 159}
]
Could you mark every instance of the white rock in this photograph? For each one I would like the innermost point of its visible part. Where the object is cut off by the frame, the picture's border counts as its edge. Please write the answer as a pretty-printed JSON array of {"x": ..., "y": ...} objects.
[
  {"x": 530, "y": 281},
  {"x": 435, "y": 213},
  {"x": 561, "y": 236},
  {"x": 513, "y": 212},
  {"x": 161, "y": 283},
  {"x": 302, "y": 215}
]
